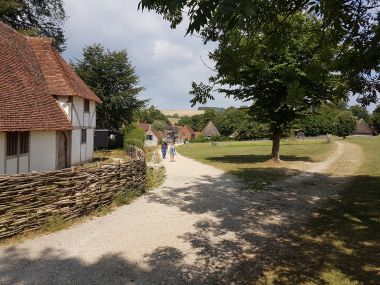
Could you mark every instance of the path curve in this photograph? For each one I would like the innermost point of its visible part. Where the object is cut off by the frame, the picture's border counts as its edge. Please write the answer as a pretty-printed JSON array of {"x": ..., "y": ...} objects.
[{"x": 198, "y": 228}]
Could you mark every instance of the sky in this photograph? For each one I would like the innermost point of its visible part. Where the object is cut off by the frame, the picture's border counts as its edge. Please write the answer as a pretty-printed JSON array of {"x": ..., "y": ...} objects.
[{"x": 166, "y": 61}]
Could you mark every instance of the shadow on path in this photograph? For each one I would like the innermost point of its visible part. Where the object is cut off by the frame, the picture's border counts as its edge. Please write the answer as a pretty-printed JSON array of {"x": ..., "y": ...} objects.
[
  {"x": 246, "y": 235},
  {"x": 254, "y": 158}
]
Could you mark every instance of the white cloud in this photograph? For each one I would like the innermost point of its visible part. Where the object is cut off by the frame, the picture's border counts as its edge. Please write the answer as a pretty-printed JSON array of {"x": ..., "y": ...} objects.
[
  {"x": 166, "y": 61},
  {"x": 165, "y": 50}
]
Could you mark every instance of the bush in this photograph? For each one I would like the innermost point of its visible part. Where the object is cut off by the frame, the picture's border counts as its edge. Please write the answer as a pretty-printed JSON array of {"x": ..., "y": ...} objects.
[
  {"x": 200, "y": 139},
  {"x": 345, "y": 124},
  {"x": 134, "y": 137}
]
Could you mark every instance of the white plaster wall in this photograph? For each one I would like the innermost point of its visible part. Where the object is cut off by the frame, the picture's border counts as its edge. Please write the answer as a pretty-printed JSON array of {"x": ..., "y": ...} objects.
[
  {"x": 65, "y": 105},
  {"x": 83, "y": 150},
  {"x": 11, "y": 166},
  {"x": 42, "y": 152},
  {"x": 23, "y": 164},
  {"x": 2, "y": 152},
  {"x": 82, "y": 120},
  {"x": 152, "y": 142},
  {"x": 78, "y": 105},
  {"x": 75, "y": 147},
  {"x": 92, "y": 122},
  {"x": 90, "y": 144}
]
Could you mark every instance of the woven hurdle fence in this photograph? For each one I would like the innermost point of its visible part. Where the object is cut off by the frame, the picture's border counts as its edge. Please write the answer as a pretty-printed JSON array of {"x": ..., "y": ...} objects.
[{"x": 29, "y": 201}]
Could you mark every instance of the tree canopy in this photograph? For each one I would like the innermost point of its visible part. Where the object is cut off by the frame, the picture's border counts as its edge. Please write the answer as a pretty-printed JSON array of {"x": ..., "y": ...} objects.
[
  {"x": 36, "y": 17},
  {"x": 361, "y": 113},
  {"x": 353, "y": 25},
  {"x": 281, "y": 71},
  {"x": 284, "y": 57},
  {"x": 151, "y": 114},
  {"x": 111, "y": 75}
]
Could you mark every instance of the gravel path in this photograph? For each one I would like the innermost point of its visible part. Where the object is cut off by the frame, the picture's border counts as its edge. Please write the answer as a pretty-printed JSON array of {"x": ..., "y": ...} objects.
[{"x": 200, "y": 227}]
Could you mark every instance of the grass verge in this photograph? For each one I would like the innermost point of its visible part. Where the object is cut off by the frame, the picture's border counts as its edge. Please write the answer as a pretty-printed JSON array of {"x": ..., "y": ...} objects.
[
  {"x": 251, "y": 161},
  {"x": 341, "y": 245}
]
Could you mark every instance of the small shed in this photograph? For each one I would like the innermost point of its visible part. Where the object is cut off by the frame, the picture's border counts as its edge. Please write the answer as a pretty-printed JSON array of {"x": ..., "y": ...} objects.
[
  {"x": 299, "y": 133},
  {"x": 106, "y": 139},
  {"x": 362, "y": 128},
  {"x": 210, "y": 130}
]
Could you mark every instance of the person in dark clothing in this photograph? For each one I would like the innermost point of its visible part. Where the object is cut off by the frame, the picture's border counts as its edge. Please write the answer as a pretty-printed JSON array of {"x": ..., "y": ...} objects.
[{"x": 164, "y": 148}]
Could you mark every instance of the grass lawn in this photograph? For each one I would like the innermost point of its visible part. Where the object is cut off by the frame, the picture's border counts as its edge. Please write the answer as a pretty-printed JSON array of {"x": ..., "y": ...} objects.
[{"x": 251, "y": 161}]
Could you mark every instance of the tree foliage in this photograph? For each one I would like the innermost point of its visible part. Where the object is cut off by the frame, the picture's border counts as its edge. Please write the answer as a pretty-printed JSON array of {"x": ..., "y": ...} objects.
[
  {"x": 361, "y": 113},
  {"x": 281, "y": 71},
  {"x": 133, "y": 137},
  {"x": 351, "y": 25},
  {"x": 376, "y": 119},
  {"x": 111, "y": 75},
  {"x": 345, "y": 124},
  {"x": 159, "y": 125},
  {"x": 36, "y": 17},
  {"x": 151, "y": 114}
]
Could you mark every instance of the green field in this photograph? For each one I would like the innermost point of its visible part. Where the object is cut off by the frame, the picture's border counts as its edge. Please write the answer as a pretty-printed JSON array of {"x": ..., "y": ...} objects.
[{"x": 251, "y": 161}]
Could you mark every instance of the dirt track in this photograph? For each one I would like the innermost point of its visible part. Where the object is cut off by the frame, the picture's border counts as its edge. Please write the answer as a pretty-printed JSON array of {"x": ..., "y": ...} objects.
[{"x": 199, "y": 228}]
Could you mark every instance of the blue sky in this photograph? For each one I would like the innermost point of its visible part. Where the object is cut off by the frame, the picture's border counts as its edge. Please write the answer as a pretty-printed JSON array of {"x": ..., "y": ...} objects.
[{"x": 166, "y": 61}]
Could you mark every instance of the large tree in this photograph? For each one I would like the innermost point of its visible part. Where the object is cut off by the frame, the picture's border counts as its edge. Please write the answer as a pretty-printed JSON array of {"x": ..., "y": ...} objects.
[
  {"x": 36, "y": 17},
  {"x": 285, "y": 56},
  {"x": 281, "y": 71},
  {"x": 111, "y": 75}
]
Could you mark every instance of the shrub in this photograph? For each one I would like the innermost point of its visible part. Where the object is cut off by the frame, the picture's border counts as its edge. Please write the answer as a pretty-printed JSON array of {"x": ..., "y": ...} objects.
[
  {"x": 134, "y": 137},
  {"x": 345, "y": 124}
]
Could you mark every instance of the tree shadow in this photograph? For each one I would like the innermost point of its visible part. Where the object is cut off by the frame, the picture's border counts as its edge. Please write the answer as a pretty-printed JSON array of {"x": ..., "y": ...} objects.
[
  {"x": 255, "y": 158},
  {"x": 269, "y": 233},
  {"x": 240, "y": 237}
]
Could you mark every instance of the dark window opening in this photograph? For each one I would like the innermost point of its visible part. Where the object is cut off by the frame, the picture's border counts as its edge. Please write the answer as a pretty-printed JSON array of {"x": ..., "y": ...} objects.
[
  {"x": 86, "y": 105},
  {"x": 84, "y": 136},
  {"x": 149, "y": 137},
  {"x": 12, "y": 142},
  {"x": 24, "y": 142},
  {"x": 17, "y": 143}
]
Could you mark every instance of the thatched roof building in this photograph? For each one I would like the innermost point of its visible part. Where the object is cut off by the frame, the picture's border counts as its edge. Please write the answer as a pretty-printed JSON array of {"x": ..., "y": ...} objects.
[
  {"x": 362, "y": 128},
  {"x": 210, "y": 130}
]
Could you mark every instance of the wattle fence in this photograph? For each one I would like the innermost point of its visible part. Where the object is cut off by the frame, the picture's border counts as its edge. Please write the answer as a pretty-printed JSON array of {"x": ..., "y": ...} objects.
[{"x": 29, "y": 201}]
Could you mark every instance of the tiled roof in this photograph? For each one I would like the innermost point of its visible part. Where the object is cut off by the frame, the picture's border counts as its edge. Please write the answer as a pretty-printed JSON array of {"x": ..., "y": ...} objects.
[
  {"x": 25, "y": 103},
  {"x": 59, "y": 76},
  {"x": 146, "y": 127}
]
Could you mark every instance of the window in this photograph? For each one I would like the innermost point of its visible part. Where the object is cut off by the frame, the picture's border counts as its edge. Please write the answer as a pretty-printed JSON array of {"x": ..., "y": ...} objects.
[
  {"x": 149, "y": 137},
  {"x": 84, "y": 136},
  {"x": 86, "y": 106},
  {"x": 12, "y": 142},
  {"x": 24, "y": 142},
  {"x": 17, "y": 143}
]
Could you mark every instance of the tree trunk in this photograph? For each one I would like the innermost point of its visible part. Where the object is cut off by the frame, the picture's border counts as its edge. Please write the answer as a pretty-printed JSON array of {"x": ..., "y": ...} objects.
[{"x": 276, "y": 147}]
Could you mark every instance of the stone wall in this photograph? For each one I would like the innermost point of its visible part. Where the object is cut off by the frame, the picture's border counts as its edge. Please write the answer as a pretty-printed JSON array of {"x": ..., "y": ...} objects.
[{"x": 28, "y": 201}]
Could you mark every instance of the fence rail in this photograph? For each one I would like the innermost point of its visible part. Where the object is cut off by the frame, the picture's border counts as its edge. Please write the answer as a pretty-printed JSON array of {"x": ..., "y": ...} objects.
[{"x": 28, "y": 201}]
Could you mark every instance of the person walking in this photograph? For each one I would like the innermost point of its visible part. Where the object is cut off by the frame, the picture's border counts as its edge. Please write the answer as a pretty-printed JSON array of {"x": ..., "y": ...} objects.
[
  {"x": 172, "y": 151},
  {"x": 164, "y": 148}
]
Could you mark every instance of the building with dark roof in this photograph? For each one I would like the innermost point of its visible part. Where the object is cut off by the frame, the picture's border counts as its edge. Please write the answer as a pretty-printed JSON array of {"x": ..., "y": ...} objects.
[
  {"x": 210, "y": 130},
  {"x": 47, "y": 113},
  {"x": 362, "y": 128}
]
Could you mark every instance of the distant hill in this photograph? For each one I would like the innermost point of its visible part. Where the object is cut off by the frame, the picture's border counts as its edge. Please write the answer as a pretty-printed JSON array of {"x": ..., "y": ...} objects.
[
  {"x": 218, "y": 109},
  {"x": 181, "y": 113}
]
